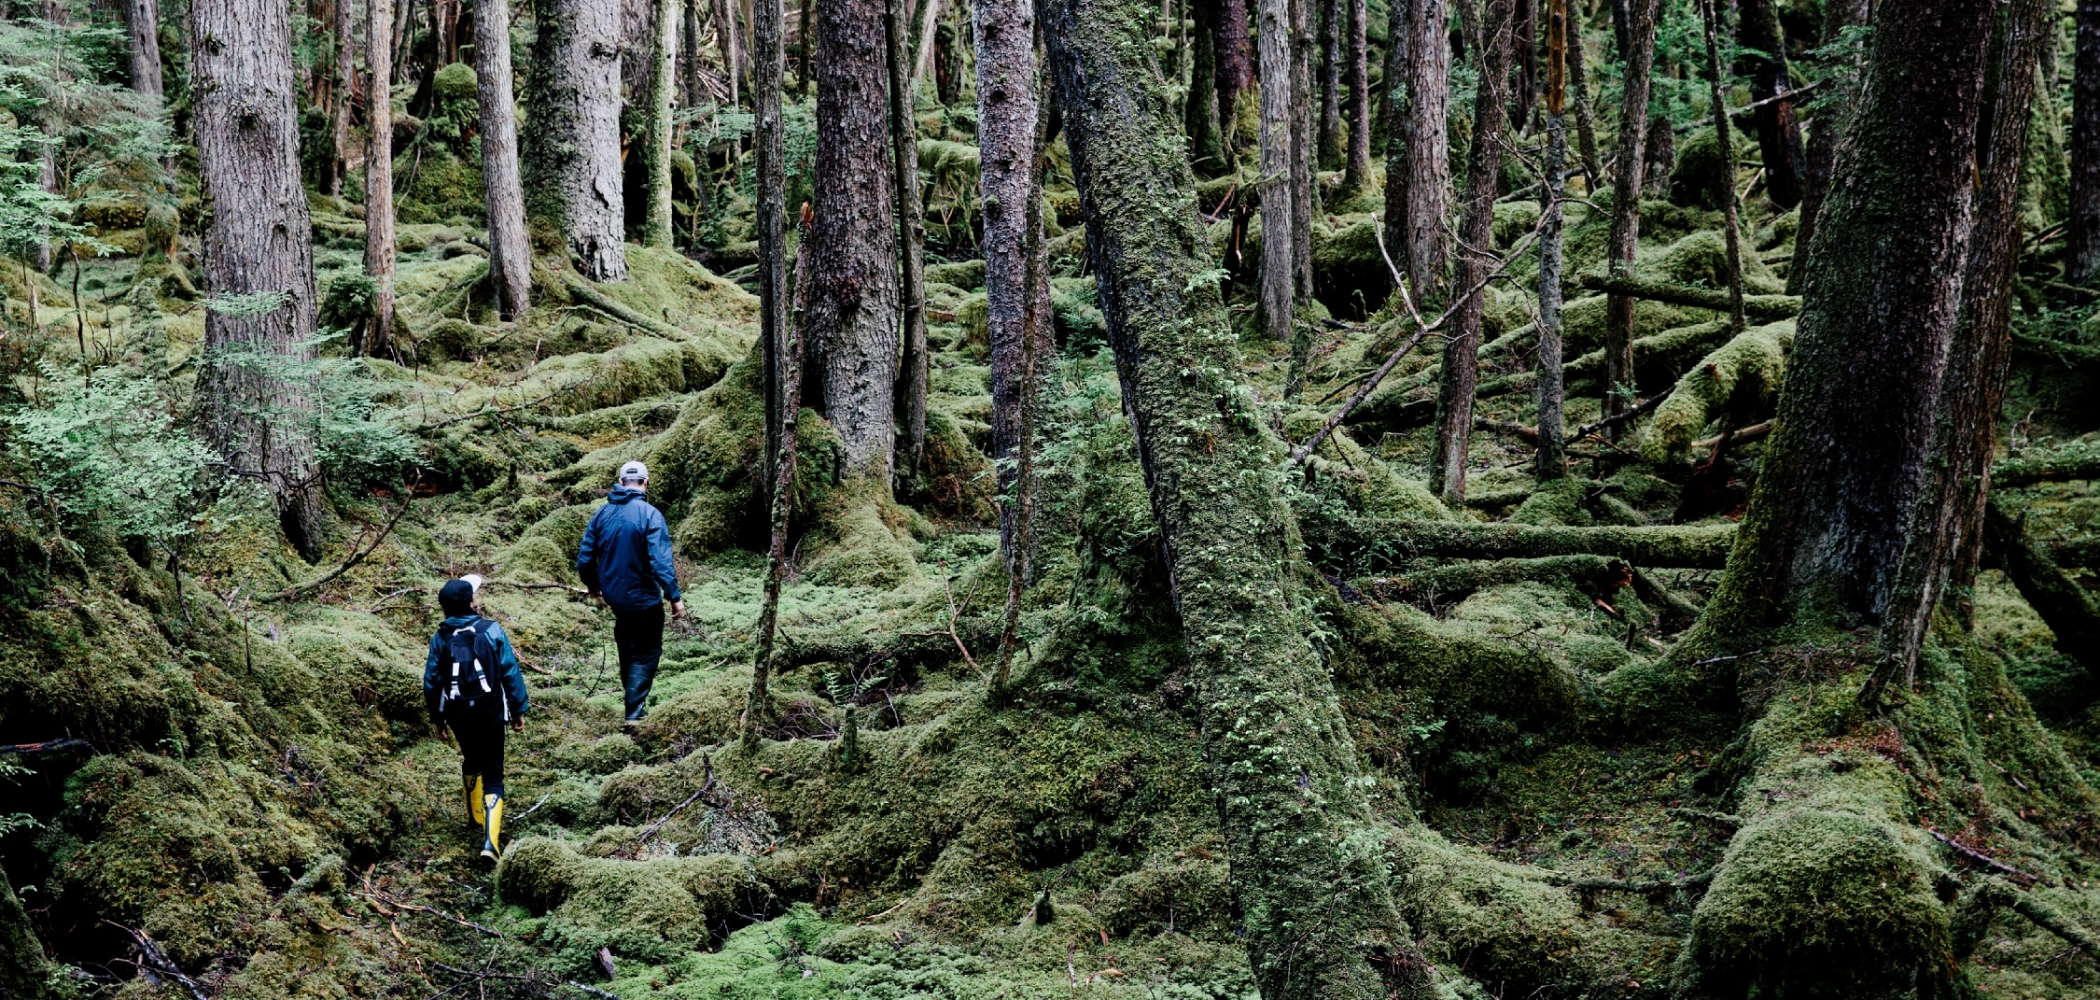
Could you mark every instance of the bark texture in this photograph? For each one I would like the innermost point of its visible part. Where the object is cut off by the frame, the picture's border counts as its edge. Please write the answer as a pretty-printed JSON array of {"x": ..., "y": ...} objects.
[
  {"x": 1778, "y": 134},
  {"x": 379, "y": 180},
  {"x": 1821, "y": 158},
  {"x": 2085, "y": 147},
  {"x": 510, "y": 254},
  {"x": 259, "y": 243},
  {"x": 1638, "y": 43},
  {"x": 573, "y": 180},
  {"x": 142, "y": 29},
  {"x": 340, "y": 100},
  {"x": 1552, "y": 461},
  {"x": 1200, "y": 112},
  {"x": 1426, "y": 197},
  {"x": 1235, "y": 63},
  {"x": 1279, "y": 239},
  {"x": 914, "y": 369},
  {"x": 656, "y": 152},
  {"x": 769, "y": 176},
  {"x": 851, "y": 333},
  {"x": 1356, "y": 76},
  {"x": 1330, "y": 139},
  {"x": 1461, "y": 371},
  {"x": 1308, "y": 871},
  {"x": 1827, "y": 520},
  {"x": 1007, "y": 107}
]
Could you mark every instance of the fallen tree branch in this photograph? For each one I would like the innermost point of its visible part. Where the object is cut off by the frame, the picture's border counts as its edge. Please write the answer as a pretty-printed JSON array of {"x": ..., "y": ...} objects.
[
  {"x": 408, "y": 500},
  {"x": 46, "y": 746},
  {"x": 623, "y": 312},
  {"x": 1744, "y": 436},
  {"x": 2064, "y": 604},
  {"x": 2077, "y": 462},
  {"x": 1763, "y": 308},
  {"x": 706, "y": 786},
  {"x": 1389, "y": 541},
  {"x": 1592, "y": 574},
  {"x": 2023, "y": 878},
  {"x": 1629, "y": 885},
  {"x": 153, "y": 960},
  {"x": 2056, "y": 922}
]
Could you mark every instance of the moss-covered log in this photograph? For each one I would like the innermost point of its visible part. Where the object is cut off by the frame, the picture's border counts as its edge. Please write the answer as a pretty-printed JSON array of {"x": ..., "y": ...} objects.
[
  {"x": 1308, "y": 868},
  {"x": 1370, "y": 544},
  {"x": 1592, "y": 574},
  {"x": 2077, "y": 462},
  {"x": 1739, "y": 380},
  {"x": 2067, "y": 607},
  {"x": 1764, "y": 308}
]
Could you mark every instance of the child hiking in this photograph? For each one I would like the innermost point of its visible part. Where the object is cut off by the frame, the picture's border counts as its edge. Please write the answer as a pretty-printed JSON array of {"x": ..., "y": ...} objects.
[{"x": 473, "y": 688}]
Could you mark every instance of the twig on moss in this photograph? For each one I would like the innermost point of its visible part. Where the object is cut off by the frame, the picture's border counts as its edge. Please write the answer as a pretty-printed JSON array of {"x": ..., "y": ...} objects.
[
  {"x": 154, "y": 962},
  {"x": 706, "y": 786},
  {"x": 2023, "y": 878},
  {"x": 948, "y": 584},
  {"x": 408, "y": 500}
]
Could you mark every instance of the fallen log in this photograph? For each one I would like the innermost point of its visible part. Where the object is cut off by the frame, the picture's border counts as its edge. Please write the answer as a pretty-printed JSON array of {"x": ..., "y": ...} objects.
[
  {"x": 2064, "y": 605},
  {"x": 1374, "y": 543},
  {"x": 1596, "y": 575},
  {"x": 2075, "y": 462},
  {"x": 1759, "y": 308}
]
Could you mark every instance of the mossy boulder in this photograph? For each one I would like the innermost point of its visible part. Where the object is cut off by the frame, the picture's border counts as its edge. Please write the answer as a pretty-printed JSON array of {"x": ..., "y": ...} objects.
[{"x": 651, "y": 911}]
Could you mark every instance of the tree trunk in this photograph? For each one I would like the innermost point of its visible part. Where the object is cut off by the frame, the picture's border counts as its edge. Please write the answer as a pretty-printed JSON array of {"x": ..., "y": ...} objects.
[
  {"x": 1461, "y": 373},
  {"x": 1306, "y": 868},
  {"x": 1626, "y": 202},
  {"x": 947, "y": 64},
  {"x": 1356, "y": 167},
  {"x": 1778, "y": 135},
  {"x": 1823, "y": 138},
  {"x": 1724, "y": 134},
  {"x": 803, "y": 40},
  {"x": 1278, "y": 221},
  {"x": 340, "y": 101},
  {"x": 1830, "y": 512},
  {"x": 656, "y": 223},
  {"x": 1426, "y": 198},
  {"x": 780, "y": 339},
  {"x": 510, "y": 251},
  {"x": 1330, "y": 140},
  {"x": 1585, "y": 117},
  {"x": 573, "y": 177},
  {"x": 731, "y": 42},
  {"x": 1007, "y": 107},
  {"x": 1235, "y": 64},
  {"x": 1200, "y": 111},
  {"x": 1552, "y": 462},
  {"x": 142, "y": 27},
  {"x": 2085, "y": 148},
  {"x": 914, "y": 369},
  {"x": 259, "y": 246},
  {"x": 379, "y": 181},
  {"x": 1523, "y": 65},
  {"x": 1304, "y": 177},
  {"x": 1949, "y": 512},
  {"x": 929, "y": 28},
  {"x": 695, "y": 89},
  {"x": 852, "y": 322}
]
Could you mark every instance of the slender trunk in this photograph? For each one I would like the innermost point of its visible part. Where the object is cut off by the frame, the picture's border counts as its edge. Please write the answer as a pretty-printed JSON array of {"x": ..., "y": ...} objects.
[
  {"x": 783, "y": 406},
  {"x": 258, "y": 244},
  {"x": 1461, "y": 369},
  {"x": 1017, "y": 521},
  {"x": 1731, "y": 230},
  {"x": 379, "y": 182},
  {"x": 948, "y": 59},
  {"x": 403, "y": 33},
  {"x": 1552, "y": 460},
  {"x": 510, "y": 251},
  {"x": 47, "y": 182},
  {"x": 1626, "y": 204},
  {"x": 1007, "y": 109},
  {"x": 1949, "y": 513},
  {"x": 1523, "y": 64},
  {"x": 656, "y": 222},
  {"x": 1278, "y": 222},
  {"x": 769, "y": 181},
  {"x": 1307, "y": 869},
  {"x": 1235, "y": 65},
  {"x": 1829, "y": 515},
  {"x": 1585, "y": 115},
  {"x": 914, "y": 368},
  {"x": 1356, "y": 167},
  {"x": 803, "y": 41},
  {"x": 1778, "y": 134},
  {"x": 1821, "y": 159},
  {"x": 1329, "y": 141},
  {"x": 852, "y": 336},
  {"x": 1200, "y": 111},
  {"x": 1427, "y": 201},
  {"x": 694, "y": 89},
  {"x": 573, "y": 179},
  {"x": 1304, "y": 178},
  {"x": 2085, "y": 148},
  {"x": 929, "y": 29},
  {"x": 142, "y": 28},
  {"x": 339, "y": 110},
  {"x": 730, "y": 40}
]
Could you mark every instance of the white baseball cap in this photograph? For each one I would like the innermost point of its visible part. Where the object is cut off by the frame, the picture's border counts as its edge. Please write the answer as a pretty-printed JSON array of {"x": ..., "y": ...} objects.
[{"x": 632, "y": 472}]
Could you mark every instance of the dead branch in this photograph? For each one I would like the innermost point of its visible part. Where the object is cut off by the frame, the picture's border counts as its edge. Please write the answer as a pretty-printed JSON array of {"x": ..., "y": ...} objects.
[
  {"x": 1388, "y": 540},
  {"x": 408, "y": 500},
  {"x": 706, "y": 786},
  {"x": 153, "y": 960},
  {"x": 1972, "y": 854}
]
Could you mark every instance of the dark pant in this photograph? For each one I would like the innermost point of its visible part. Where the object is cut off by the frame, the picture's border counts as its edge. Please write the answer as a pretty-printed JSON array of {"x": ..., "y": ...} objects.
[
  {"x": 480, "y": 748},
  {"x": 640, "y": 635}
]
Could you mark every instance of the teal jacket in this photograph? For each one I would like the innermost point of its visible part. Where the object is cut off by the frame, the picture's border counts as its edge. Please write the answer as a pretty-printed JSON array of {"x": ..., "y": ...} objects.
[{"x": 437, "y": 667}]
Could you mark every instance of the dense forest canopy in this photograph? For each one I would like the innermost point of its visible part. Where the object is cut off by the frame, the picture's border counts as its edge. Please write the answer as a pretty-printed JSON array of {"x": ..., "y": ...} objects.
[{"x": 1174, "y": 498}]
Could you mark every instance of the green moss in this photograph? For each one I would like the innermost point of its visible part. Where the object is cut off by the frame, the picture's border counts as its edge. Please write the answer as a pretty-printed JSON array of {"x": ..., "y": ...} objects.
[
  {"x": 1738, "y": 381},
  {"x": 651, "y": 911}
]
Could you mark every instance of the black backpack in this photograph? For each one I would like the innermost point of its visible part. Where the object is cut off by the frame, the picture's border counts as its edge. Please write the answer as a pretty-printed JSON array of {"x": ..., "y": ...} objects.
[{"x": 470, "y": 688}]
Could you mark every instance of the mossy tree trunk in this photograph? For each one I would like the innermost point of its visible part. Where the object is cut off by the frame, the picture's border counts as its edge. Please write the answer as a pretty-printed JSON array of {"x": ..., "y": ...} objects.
[
  {"x": 142, "y": 32},
  {"x": 779, "y": 335},
  {"x": 1307, "y": 867},
  {"x": 1007, "y": 108},
  {"x": 339, "y": 104},
  {"x": 1948, "y": 517},
  {"x": 259, "y": 244},
  {"x": 1585, "y": 116},
  {"x": 379, "y": 180},
  {"x": 1778, "y": 134},
  {"x": 914, "y": 368},
  {"x": 656, "y": 153},
  {"x": 852, "y": 335},
  {"x": 2085, "y": 147},
  {"x": 1356, "y": 163},
  {"x": 1638, "y": 47},
  {"x": 510, "y": 253},
  {"x": 1830, "y": 513},
  {"x": 1731, "y": 228},
  {"x": 1200, "y": 112},
  {"x": 1461, "y": 369},
  {"x": 1821, "y": 158},
  {"x": 1233, "y": 50},
  {"x": 1278, "y": 140},
  {"x": 1418, "y": 172},
  {"x": 573, "y": 178},
  {"x": 1552, "y": 461},
  {"x": 1328, "y": 144}
]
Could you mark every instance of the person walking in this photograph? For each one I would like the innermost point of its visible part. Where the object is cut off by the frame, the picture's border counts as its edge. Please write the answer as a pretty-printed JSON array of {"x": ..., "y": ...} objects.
[
  {"x": 625, "y": 559},
  {"x": 473, "y": 689}
]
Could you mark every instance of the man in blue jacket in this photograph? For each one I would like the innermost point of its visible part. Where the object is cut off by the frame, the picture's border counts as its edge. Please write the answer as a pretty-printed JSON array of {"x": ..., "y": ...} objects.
[
  {"x": 472, "y": 687},
  {"x": 626, "y": 559}
]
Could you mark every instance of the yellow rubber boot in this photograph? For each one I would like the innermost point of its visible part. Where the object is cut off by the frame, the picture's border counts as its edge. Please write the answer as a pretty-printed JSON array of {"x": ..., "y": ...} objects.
[
  {"x": 492, "y": 841},
  {"x": 475, "y": 808}
]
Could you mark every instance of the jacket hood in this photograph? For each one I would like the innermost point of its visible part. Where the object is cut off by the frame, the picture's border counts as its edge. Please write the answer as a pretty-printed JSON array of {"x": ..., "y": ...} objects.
[
  {"x": 622, "y": 494},
  {"x": 460, "y": 621}
]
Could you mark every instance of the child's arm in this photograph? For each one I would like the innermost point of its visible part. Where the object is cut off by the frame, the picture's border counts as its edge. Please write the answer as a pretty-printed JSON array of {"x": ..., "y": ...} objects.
[
  {"x": 513, "y": 677},
  {"x": 430, "y": 684}
]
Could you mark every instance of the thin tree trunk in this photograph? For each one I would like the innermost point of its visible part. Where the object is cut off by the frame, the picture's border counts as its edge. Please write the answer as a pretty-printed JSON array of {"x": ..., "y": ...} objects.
[
  {"x": 1200, "y": 112},
  {"x": 948, "y": 59},
  {"x": 1426, "y": 198},
  {"x": 1523, "y": 64},
  {"x": 1585, "y": 115},
  {"x": 852, "y": 336},
  {"x": 510, "y": 251},
  {"x": 340, "y": 105},
  {"x": 142, "y": 28},
  {"x": 657, "y": 229},
  {"x": 1626, "y": 204},
  {"x": 1461, "y": 369},
  {"x": 690, "y": 46},
  {"x": 803, "y": 42},
  {"x": 1552, "y": 462},
  {"x": 257, "y": 246},
  {"x": 914, "y": 368},
  {"x": 1823, "y": 138},
  {"x": 1831, "y": 510},
  {"x": 769, "y": 176},
  {"x": 1007, "y": 109},
  {"x": 1356, "y": 167},
  {"x": 1304, "y": 177},
  {"x": 1950, "y": 508},
  {"x": 2085, "y": 147},
  {"x": 1235, "y": 65},
  {"x": 379, "y": 182},
  {"x": 1731, "y": 230},
  {"x": 1278, "y": 221},
  {"x": 1017, "y": 522},
  {"x": 783, "y": 406},
  {"x": 1330, "y": 140},
  {"x": 929, "y": 29},
  {"x": 729, "y": 39},
  {"x": 573, "y": 179},
  {"x": 1307, "y": 869},
  {"x": 1778, "y": 135}
]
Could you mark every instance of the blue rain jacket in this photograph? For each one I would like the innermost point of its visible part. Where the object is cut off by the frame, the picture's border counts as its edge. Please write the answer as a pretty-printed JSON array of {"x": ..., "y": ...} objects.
[{"x": 626, "y": 553}]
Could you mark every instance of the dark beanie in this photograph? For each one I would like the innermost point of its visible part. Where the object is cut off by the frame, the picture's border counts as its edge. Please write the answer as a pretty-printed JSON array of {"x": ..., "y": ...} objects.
[{"x": 456, "y": 597}]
